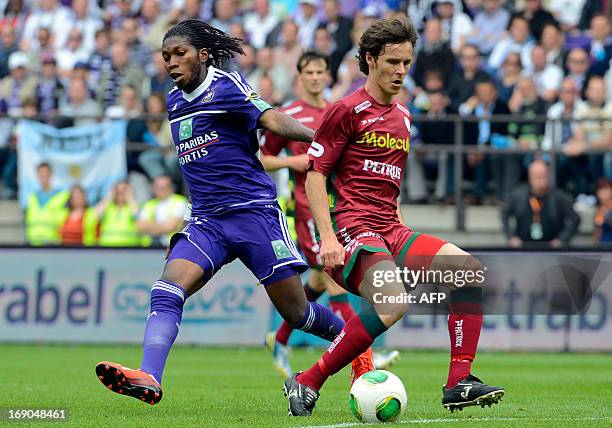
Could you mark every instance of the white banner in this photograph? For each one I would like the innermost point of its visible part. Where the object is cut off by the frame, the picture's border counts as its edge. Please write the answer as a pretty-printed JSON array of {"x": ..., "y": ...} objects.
[
  {"x": 92, "y": 156},
  {"x": 64, "y": 295},
  {"x": 96, "y": 295}
]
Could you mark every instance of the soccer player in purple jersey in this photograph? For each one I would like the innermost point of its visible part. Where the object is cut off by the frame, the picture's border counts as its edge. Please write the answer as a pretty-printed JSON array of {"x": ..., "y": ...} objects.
[{"x": 214, "y": 116}]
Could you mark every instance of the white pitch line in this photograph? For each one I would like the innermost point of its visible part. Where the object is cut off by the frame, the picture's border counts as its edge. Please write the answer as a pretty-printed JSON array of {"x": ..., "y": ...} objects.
[{"x": 444, "y": 420}]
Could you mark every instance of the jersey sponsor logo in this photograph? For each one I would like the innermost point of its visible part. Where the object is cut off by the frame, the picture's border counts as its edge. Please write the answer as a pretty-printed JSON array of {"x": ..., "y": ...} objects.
[
  {"x": 281, "y": 251},
  {"x": 361, "y": 107},
  {"x": 174, "y": 108},
  {"x": 196, "y": 147},
  {"x": 373, "y": 120},
  {"x": 458, "y": 333},
  {"x": 308, "y": 119},
  {"x": 371, "y": 138},
  {"x": 382, "y": 168},
  {"x": 316, "y": 150},
  {"x": 186, "y": 129}
]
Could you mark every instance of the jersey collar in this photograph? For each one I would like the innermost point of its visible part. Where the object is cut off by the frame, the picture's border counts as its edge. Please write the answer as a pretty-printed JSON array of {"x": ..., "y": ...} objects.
[{"x": 210, "y": 73}]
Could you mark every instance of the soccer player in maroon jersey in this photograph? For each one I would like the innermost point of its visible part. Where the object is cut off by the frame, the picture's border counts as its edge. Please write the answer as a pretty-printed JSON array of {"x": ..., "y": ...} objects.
[
  {"x": 313, "y": 75},
  {"x": 359, "y": 153}
]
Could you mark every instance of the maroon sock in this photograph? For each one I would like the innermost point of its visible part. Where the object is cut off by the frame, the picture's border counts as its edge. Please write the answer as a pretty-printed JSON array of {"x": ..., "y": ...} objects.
[
  {"x": 284, "y": 331},
  {"x": 464, "y": 330},
  {"x": 341, "y": 306},
  {"x": 357, "y": 336}
]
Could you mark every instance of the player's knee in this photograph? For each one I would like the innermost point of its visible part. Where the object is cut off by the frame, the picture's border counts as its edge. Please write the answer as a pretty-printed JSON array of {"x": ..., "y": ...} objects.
[
  {"x": 295, "y": 315},
  {"x": 476, "y": 269},
  {"x": 391, "y": 313}
]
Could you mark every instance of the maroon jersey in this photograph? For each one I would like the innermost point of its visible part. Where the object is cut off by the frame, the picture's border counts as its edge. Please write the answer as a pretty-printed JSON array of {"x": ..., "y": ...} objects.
[
  {"x": 310, "y": 116},
  {"x": 362, "y": 147}
]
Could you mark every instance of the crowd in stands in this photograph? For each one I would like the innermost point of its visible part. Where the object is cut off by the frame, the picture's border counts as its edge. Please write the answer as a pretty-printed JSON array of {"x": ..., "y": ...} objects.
[{"x": 71, "y": 62}]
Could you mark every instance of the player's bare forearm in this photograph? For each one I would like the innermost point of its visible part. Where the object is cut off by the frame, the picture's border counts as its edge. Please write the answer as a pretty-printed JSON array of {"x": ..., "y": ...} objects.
[
  {"x": 273, "y": 163},
  {"x": 284, "y": 125},
  {"x": 316, "y": 192}
]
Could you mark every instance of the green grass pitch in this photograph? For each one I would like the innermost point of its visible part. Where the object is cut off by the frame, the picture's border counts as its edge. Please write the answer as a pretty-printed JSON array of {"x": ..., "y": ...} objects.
[{"x": 225, "y": 387}]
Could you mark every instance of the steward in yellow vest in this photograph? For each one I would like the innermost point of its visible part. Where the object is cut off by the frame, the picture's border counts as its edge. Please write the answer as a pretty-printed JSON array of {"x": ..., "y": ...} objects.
[
  {"x": 45, "y": 210},
  {"x": 44, "y": 217},
  {"x": 162, "y": 216},
  {"x": 118, "y": 215}
]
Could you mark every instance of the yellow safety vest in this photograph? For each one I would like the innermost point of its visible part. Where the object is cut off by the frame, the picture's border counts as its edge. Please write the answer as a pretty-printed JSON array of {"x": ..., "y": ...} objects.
[
  {"x": 118, "y": 227},
  {"x": 43, "y": 222},
  {"x": 148, "y": 212},
  {"x": 90, "y": 225}
]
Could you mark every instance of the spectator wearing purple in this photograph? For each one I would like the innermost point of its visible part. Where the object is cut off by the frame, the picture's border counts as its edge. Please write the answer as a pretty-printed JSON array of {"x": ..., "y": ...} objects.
[
  {"x": 100, "y": 60},
  {"x": 50, "y": 88},
  {"x": 487, "y": 23},
  {"x": 433, "y": 53},
  {"x": 259, "y": 23},
  {"x": 307, "y": 22},
  {"x": 547, "y": 77},
  {"x": 120, "y": 74},
  {"x": 518, "y": 39},
  {"x": 461, "y": 85},
  {"x": 537, "y": 17},
  {"x": 601, "y": 45}
]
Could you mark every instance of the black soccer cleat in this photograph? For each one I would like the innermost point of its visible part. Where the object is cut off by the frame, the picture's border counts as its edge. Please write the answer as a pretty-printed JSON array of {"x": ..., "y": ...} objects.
[
  {"x": 301, "y": 398},
  {"x": 471, "y": 392}
]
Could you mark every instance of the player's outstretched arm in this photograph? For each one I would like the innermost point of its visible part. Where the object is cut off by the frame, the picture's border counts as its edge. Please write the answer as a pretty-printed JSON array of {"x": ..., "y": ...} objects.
[
  {"x": 284, "y": 125},
  {"x": 297, "y": 163},
  {"x": 331, "y": 251}
]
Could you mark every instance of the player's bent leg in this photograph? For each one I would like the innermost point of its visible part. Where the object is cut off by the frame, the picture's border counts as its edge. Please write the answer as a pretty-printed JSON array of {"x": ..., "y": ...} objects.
[
  {"x": 464, "y": 325},
  {"x": 287, "y": 295}
]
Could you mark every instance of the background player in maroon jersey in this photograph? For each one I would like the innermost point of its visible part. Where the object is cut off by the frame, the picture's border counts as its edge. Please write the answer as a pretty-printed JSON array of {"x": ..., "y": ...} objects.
[
  {"x": 359, "y": 153},
  {"x": 313, "y": 75}
]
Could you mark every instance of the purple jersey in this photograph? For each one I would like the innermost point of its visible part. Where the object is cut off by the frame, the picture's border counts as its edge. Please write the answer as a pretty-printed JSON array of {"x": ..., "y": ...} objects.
[{"x": 214, "y": 131}]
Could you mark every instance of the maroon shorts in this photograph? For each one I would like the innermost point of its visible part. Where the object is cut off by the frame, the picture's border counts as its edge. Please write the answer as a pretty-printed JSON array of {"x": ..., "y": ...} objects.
[
  {"x": 396, "y": 242},
  {"x": 307, "y": 241}
]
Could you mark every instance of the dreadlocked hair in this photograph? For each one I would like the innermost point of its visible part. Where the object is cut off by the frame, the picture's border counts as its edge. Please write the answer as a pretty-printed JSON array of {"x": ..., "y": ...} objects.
[{"x": 219, "y": 45}]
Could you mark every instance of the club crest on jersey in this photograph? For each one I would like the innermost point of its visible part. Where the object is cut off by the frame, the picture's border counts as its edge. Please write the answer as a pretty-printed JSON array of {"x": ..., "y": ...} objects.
[
  {"x": 361, "y": 107},
  {"x": 209, "y": 96},
  {"x": 186, "y": 129}
]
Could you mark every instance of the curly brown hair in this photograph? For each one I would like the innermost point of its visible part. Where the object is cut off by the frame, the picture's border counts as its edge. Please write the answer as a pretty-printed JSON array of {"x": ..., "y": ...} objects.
[{"x": 383, "y": 32}]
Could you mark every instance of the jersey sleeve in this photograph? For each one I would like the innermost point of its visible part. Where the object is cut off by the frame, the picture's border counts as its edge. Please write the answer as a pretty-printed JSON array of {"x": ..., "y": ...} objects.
[
  {"x": 272, "y": 144},
  {"x": 244, "y": 101},
  {"x": 333, "y": 135}
]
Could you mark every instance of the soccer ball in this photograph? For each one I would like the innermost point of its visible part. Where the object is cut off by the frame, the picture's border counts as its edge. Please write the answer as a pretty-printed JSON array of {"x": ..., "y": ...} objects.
[{"x": 378, "y": 396}]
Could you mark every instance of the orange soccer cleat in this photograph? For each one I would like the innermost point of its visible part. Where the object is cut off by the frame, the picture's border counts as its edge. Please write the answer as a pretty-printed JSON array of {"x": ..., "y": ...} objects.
[
  {"x": 126, "y": 381},
  {"x": 362, "y": 364}
]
